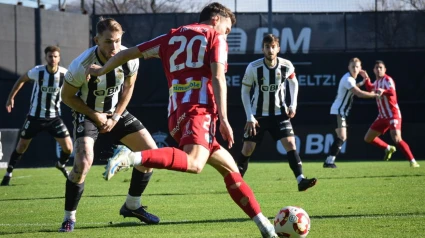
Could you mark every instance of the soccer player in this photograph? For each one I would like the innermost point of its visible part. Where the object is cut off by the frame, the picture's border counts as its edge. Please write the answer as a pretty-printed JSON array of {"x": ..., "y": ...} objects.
[
  {"x": 267, "y": 110},
  {"x": 389, "y": 115},
  {"x": 99, "y": 105},
  {"x": 340, "y": 109},
  {"x": 44, "y": 113},
  {"x": 194, "y": 58}
]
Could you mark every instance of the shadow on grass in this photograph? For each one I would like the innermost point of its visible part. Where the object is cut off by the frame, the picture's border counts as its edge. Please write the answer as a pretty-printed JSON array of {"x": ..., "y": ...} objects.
[
  {"x": 375, "y": 176},
  {"x": 166, "y": 223}
]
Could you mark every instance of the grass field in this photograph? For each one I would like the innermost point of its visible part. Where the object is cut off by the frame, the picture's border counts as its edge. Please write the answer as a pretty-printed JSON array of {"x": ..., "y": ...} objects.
[{"x": 359, "y": 199}]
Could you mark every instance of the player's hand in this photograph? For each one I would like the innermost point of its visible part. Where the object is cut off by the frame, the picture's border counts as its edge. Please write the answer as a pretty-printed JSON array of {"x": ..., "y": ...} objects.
[
  {"x": 94, "y": 70},
  {"x": 9, "y": 105},
  {"x": 100, "y": 119},
  {"x": 364, "y": 74},
  {"x": 107, "y": 127},
  {"x": 379, "y": 92},
  {"x": 227, "y": 132},
  {"x": 250, "y": 128},
  {"x": 291, "y": 112}
]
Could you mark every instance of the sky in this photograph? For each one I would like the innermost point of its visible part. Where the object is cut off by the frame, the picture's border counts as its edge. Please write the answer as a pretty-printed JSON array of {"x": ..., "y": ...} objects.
[{"x": 261, "y": 5}]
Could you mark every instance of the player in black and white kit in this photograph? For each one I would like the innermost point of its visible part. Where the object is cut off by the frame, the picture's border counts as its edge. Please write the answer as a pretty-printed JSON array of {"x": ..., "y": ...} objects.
[
  {"x": 267, "y": 110},
  {"x": 340, "y": 109},
  {"x": 44, "y": 113},
  {"x": 99, "y": 105}
]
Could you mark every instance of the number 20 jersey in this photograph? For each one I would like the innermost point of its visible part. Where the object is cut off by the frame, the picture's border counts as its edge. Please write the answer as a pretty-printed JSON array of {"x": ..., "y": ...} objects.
[{"x": 186, "y": 54}]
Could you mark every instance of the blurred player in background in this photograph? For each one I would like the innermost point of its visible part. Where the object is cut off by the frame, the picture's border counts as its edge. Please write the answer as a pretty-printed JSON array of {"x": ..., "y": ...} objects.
[
  {"x": 341, "y": 107},
  {"x": 267, "y": 110},
  {"x": 99, "y": 105},
  {"x": 44, "y": 113},
  {"x": 389, "y": 115},
  {"x": 194, "y": 58}
]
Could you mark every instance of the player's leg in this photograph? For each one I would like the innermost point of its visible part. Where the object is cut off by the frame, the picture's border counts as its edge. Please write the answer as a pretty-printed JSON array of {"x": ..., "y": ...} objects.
[
  {"x": 341, "y": 137},
  {"x": 138, "y": 139},
  {"x": 85, "y": 132},
  {"x": 240, "y": 191},
  {"x": 395, "y": 131},
  {"x": 29, "y": 130},
  {"x": 378, "y": 128},
  {"x": 243, "y": 160},
  {"x": 61, "y": 134},
  {"x": 295, "y": 164}
]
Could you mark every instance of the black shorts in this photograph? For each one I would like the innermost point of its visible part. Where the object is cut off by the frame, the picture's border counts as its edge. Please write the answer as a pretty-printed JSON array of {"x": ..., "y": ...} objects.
[
  {"x": 85, "y": 127},
  {"x": 278, "y": 126},
  {"x": 34, "y": 125},
  {"x": 341, "y": 121}
]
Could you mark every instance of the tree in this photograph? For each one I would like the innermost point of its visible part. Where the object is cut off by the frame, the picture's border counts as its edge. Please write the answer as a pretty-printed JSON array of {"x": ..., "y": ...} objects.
[{"x": 132, "y": 6}]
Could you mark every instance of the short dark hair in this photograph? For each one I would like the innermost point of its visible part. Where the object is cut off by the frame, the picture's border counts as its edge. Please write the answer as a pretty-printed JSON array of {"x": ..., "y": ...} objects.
[
  {"x": 379, "y": 62},
  {"x": 270, "y": 38},
  {"x": 52, "y": 48},
  {"x": 214, "y": 9},
  {"x": 108, "y": 24}
]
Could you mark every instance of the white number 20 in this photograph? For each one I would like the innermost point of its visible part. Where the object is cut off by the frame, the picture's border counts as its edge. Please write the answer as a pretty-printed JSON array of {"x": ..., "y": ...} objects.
[{"x": 188, "y": 46}]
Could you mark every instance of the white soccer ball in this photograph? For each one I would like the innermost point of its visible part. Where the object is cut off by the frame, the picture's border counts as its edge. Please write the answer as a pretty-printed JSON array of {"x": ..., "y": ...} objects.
[{"x": 292, "y": 222}]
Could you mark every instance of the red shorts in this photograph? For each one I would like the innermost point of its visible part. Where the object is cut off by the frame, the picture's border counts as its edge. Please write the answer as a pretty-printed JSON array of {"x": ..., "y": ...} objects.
[
  {"x": 192, "y": 124},
  {"x": 383, "y": 124}
]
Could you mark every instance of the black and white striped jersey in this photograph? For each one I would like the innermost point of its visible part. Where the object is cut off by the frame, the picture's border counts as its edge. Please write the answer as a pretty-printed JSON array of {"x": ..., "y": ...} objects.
[
  {"x": 45, "y": 99},
  {"x": 344, "y": 96},
  {"x": 99, "y": 93},
  {"x": 269, "y": 86}
]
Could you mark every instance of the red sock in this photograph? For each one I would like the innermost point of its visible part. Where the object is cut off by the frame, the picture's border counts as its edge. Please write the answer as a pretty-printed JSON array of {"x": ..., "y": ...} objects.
[
  {"x": 165, "y": 158},
  {"x": 242, "y": 194},
  {"x": 404, "y": 147},
  {"x": 379, "y": 143}
]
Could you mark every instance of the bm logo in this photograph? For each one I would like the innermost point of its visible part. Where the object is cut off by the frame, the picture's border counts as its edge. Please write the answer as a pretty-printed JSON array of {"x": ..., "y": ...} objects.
[
  {"x": 271, "y": 88},
  {"x": 106, "y": 92},
  {"x": 45, "y": 89}
]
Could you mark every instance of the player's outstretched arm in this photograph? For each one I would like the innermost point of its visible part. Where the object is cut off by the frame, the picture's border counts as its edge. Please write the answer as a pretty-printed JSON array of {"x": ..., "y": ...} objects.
[
  {"x": 117, "y": 60},
  {"x": 10, "y": 103},
  {"x": 363, "y": 94}
]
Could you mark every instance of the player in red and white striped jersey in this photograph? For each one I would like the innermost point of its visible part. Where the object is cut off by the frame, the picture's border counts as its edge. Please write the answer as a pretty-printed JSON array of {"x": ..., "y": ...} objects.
[
  {"x": 389, "y": 116},
  {"x": 194, "y": 58}
]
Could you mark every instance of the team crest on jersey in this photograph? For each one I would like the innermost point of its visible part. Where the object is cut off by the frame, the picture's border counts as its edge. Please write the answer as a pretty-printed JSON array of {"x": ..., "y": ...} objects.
[
  {"x": 80, "y": 128},
  {"x": 97, "y": 80},
  {"x": 119, "y": 74},
  {"x": 159, "y": 138},
  {"x": 278, "y": 75},
  {"x": 262, "y": 78}
]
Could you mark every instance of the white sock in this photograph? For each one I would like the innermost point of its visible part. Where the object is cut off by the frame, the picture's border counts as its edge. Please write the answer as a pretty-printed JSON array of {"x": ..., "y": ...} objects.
[
  {"x": 413, "y": 161},
  {"x": 70, "y": 215},
  {"x": 330, "y": 159},
  {"x": 260, "y": 220},
  {"x": 135, "y": 158},
  {"x": 132, "y": 202},
  {"x": 8, "y": 174},
  {"x": 300, "y": 177}
]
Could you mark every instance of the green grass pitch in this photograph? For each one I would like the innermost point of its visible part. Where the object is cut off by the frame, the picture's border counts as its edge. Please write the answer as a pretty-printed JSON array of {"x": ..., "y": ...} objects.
[{"x": 359, "y": 199}]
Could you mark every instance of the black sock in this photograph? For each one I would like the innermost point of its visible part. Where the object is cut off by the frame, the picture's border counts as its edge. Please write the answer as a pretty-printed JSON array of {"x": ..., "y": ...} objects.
[
  {"x": 64, "y": 157},
  {"x": 295, "y": 163},
  {"x": 73, "y": 195},
  {"x": 139, "y": 182},
  {"x": 243, "y": 163},
  {"x": 14, "y": 158},
  {"x": 336, "y": 147}
]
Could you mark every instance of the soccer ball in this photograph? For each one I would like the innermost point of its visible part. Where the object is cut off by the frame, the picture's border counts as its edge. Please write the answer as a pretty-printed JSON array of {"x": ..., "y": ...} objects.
[{"x": 292, "y": 222}]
